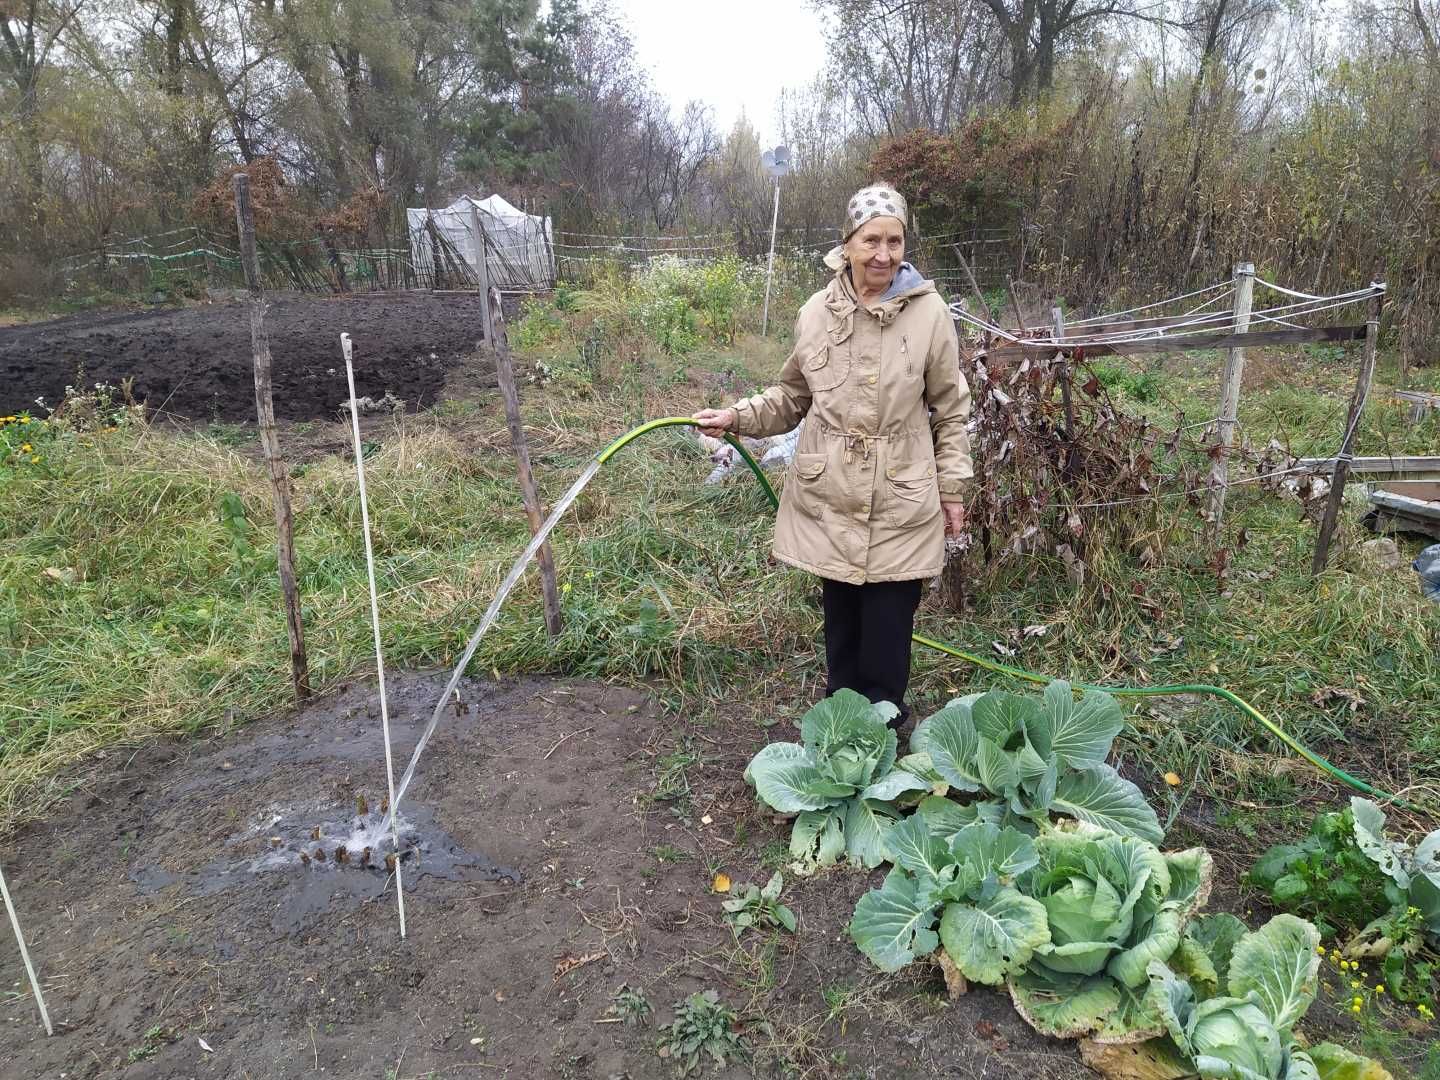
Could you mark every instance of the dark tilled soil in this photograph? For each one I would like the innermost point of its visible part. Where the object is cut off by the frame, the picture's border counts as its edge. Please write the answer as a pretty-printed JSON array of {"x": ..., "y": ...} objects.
[
  {"x": 196, "y": 364},
  {"x": 548, "y": 875}
]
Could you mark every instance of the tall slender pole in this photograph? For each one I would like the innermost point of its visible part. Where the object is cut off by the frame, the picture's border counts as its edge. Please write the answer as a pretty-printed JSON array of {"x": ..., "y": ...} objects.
[
  {"x": 25, "y": 955},
  {"x": 505, "y": 374},
  {"x": 482, "y": 270},
  {"x": 346, "y": 349},
  {"x": 269, "y": 441},
  {"x": 1229, "y": 416},
  {"x": 770, "y": 266},
  {"x": 1067, "y": 399},
  {"x": 1352, "y": 421}
]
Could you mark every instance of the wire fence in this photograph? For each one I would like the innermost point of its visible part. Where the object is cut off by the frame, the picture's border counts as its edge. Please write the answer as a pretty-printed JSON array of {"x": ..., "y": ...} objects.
[{"x": 441, "y": 255}]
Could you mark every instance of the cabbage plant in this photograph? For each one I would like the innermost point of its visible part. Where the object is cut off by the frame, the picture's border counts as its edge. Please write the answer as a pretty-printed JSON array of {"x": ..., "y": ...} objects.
[
  {"x": 840, "y": 780},
  {"x": 1039, "y": 755},
  {"x": 1415, "y": 871},
  {"x": 1234, "y": 1015},
  {"x": 988, "y": 928},
  {"x": 1112, "y": 904}
]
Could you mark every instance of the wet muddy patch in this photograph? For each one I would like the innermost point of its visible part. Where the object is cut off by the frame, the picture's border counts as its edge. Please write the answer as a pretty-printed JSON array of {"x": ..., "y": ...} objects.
[{"x": 549, "y": 857}]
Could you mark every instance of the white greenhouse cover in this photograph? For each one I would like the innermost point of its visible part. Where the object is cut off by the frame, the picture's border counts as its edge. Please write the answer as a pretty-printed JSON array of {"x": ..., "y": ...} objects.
[{"x": 519, "y": 247}]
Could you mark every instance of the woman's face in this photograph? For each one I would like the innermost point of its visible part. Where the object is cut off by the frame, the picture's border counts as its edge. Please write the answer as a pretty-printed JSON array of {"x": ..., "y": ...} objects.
[{"x": 875, "y": 252}]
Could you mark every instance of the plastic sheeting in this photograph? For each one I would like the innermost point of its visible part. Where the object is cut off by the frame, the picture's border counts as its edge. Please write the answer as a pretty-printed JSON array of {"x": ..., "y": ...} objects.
[{"x": 519, "y": 247}]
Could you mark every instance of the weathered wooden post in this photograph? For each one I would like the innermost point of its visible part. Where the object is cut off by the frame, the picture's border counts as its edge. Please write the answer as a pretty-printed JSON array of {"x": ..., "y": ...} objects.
[
  {"x": 269, "y": 442},
  {"x": 1066, "y": 379},
  {"x": 1352, "y": 422},
  {"x": 505, "y": 370},
  {"x": 1228, "y": 416},
  {"x": 482, "y": 272}
]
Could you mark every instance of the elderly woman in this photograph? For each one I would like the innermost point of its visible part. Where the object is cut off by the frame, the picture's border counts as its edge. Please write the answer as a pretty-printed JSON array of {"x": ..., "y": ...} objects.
[{"x": 884, "y": 459}]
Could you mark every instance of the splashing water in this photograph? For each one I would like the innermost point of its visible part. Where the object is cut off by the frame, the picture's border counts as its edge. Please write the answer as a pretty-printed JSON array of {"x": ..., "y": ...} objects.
[{"x": 485, "y": 623}]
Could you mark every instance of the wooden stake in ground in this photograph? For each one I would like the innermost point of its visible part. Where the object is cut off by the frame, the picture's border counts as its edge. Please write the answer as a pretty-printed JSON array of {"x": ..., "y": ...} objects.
[
  {"x": 1066, "y": 378},
  {"x": 1228, "y": 416},
  {"x": 269, "y": 442},
  {"x": 1347, "y": 443},
  {"x": 374, "y": 619},
  {"x": 505, "y": 369},
  {"x": 25, "y": 955}
]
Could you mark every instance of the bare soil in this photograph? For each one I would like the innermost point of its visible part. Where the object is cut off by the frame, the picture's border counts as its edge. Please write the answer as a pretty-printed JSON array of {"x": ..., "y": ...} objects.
[
  {"x": 196, "y": 364},
  {"x": 565, "y": 841}
]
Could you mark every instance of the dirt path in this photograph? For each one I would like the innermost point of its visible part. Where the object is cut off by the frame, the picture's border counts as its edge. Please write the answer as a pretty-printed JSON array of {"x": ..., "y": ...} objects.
[
  {"x": 548, "y": 869},
  {"x": 194, "y": 364}
]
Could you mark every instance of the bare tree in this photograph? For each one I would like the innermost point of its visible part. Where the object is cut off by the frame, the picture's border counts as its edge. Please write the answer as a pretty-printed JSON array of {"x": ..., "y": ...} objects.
[
  {"x": 920, "y": 65},
  {"x": 29, "y": 30}
]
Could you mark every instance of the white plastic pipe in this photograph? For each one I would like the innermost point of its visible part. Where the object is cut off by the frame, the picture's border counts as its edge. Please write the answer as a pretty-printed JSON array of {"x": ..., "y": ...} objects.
[
  {"x": 346, "y": 348},
  {"x": 770, "y": 265},
  {"x": 25, "y": 954}
]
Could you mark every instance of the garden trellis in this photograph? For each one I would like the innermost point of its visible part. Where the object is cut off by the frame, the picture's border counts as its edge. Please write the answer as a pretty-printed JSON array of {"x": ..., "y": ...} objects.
[{"x": 1206, "y": 325}]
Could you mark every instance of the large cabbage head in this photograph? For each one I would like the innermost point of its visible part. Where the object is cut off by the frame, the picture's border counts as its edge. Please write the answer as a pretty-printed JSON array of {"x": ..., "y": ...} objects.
[
  {"x": 1231, "y": 1037},
  {"x": 1097, "y": 888}
]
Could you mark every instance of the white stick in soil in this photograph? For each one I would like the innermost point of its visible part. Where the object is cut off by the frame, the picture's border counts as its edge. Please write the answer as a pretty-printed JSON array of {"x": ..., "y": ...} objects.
[
  {"x": 346, "y": 348},
  {"x": 25, "y": 954}
]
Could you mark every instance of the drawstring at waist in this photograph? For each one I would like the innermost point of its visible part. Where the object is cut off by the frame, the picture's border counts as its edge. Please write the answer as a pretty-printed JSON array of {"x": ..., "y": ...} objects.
[
  {"x": 851, "y": 438},
  {"x": 864, "y": 440}
]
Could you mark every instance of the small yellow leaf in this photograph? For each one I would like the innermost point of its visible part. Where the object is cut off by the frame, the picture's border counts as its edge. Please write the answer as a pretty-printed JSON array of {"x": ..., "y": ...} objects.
[
  {"x": 722, "y": 883},
  {"x": 1173, "y": 779}
]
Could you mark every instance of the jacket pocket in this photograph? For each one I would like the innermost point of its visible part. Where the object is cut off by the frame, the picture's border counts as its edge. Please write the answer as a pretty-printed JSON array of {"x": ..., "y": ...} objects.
[
  {"x": 828, "y": 368},
  {"x": 807, "y": 483},
  {"x": 914, "y": 493}
]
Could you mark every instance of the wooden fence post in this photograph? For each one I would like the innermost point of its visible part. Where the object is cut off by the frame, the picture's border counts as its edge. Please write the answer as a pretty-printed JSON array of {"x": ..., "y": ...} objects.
[
  {"x": 1228, "y": 416},
  {"x": 1066, "y": 379},
  {"x": 1352, "y": 422},
  {"x": 269, "y": 443},
  {"x": 505, "y": 370},
  {"x": 482, "y": 272}
]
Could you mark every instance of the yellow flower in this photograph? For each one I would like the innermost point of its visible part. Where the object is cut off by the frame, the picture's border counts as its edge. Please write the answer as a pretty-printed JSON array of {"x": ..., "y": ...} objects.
[
  {"x": 1354, "y": 1008},
  {"x": 25, "y": 448},
  {"x": 721, "y": 883},
  {"x": 1354, "y": 984},
  {"x": 1173, "y": 779},
  {"x": 1380, "y": 989},
  {"x": 35, "y": 459},
  {"x": 565, "y": 588},
  {"x": 1357, "y": 1001}
]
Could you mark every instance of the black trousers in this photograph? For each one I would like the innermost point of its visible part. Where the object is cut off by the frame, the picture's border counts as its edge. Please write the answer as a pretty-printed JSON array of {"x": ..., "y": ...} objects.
[{"x": 867, "y": 638}]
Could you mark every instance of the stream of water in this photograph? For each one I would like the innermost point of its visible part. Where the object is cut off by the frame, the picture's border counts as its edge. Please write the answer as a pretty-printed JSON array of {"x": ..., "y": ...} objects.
[{"x": 491, "y": 612}]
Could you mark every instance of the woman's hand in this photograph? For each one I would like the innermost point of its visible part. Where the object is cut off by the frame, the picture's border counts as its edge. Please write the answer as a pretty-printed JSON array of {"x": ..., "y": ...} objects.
[
  {"x": 716, "y": 422},
  {"x": 954, "y": 517}
]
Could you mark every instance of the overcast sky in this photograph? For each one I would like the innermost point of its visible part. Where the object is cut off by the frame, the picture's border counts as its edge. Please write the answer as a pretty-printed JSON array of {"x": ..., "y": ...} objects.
[{"x": 734, "y": 55}]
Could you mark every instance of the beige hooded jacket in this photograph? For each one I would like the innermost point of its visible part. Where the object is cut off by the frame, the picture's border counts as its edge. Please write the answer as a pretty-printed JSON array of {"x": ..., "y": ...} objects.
[{"x": 885, "y": 437}]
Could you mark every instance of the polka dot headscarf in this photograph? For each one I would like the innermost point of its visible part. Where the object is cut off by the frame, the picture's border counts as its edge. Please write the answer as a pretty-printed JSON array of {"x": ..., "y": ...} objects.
[{"x": 881, "y": 200}]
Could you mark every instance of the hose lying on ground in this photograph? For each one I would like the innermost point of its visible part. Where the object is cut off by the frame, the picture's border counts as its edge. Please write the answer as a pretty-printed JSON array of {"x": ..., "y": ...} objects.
[{"x": 1238, "y": 702}]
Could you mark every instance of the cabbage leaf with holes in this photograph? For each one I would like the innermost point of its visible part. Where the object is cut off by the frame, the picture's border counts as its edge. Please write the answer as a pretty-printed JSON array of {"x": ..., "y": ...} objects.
[
  {"x": 840, "y": 779},
  {"x": 1038, "y": 755}
]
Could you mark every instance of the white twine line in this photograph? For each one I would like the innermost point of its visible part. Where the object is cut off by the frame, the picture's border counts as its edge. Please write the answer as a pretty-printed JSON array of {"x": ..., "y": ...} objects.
[
  {"x": 1155, "y": 304},
  {"x": 345, "y": 348},
  {"x": 25, "y": 955},
  {"x": 1201, "y": 323}
]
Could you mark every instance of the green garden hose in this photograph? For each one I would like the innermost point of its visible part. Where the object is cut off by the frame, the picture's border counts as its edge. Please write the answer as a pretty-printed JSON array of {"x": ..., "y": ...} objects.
[{"x": 1029, "y": 676}]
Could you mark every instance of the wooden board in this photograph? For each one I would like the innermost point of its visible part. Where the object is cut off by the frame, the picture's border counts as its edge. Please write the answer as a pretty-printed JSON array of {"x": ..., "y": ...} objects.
[{"x": 1411, "y": 467}]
